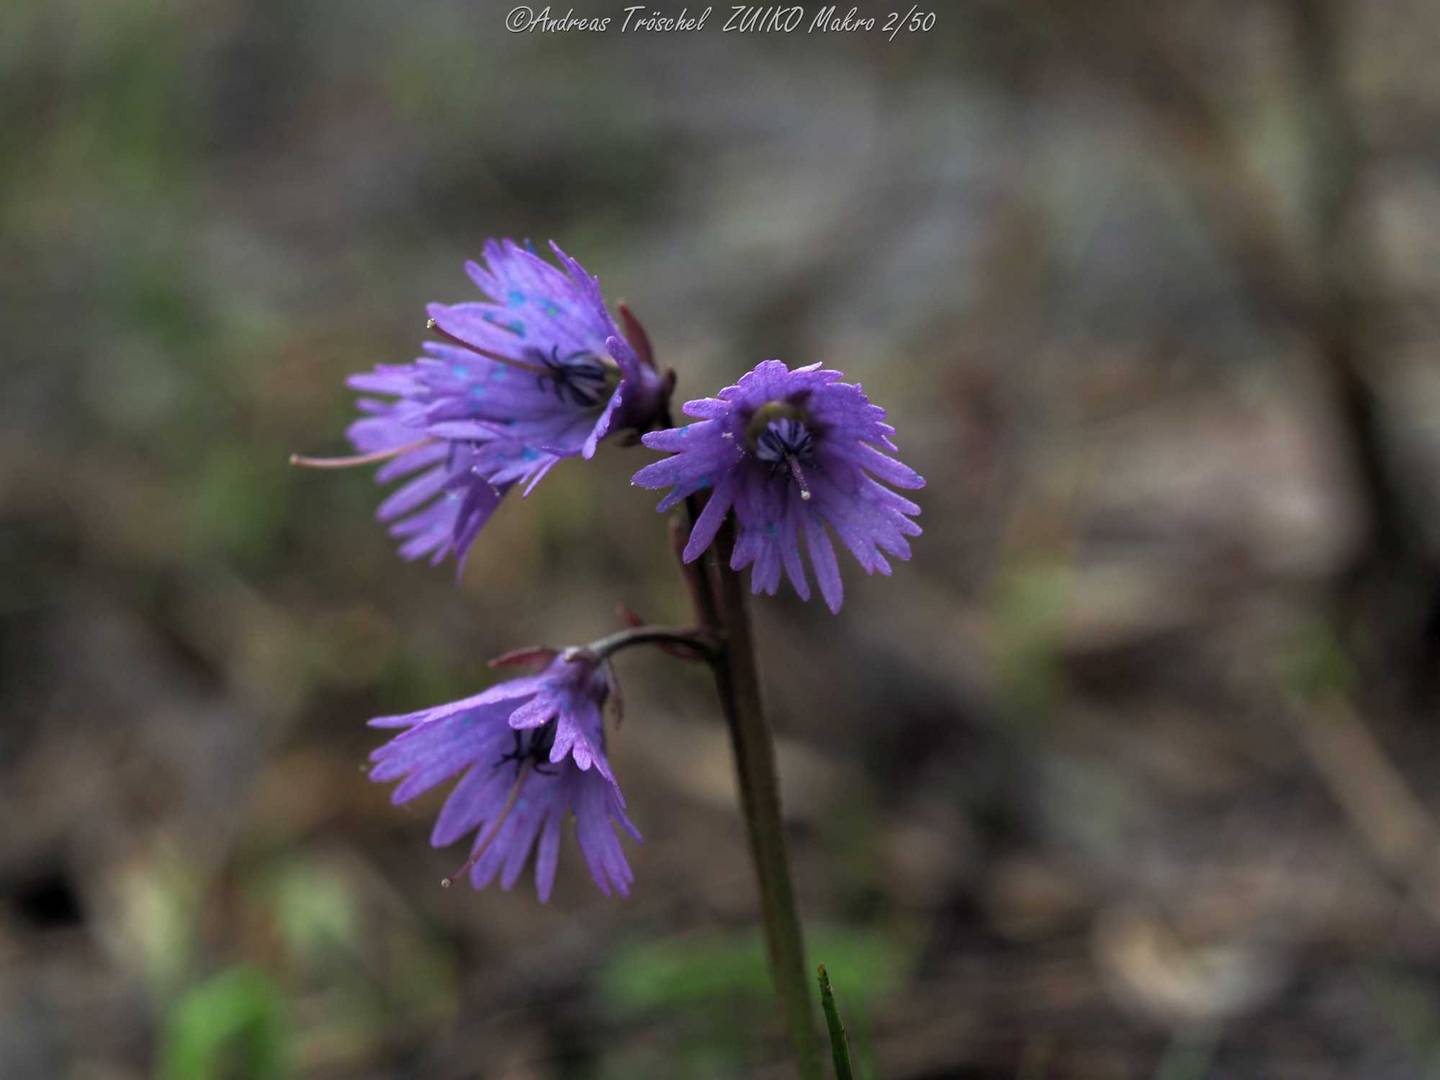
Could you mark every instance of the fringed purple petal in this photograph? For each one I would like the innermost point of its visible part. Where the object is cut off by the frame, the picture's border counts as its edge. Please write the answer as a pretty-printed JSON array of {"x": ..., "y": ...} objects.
[
  {"x": 788, "y": 451},
  {"x": 535, "y": 373},
  {"x": 518, "y": 785}
]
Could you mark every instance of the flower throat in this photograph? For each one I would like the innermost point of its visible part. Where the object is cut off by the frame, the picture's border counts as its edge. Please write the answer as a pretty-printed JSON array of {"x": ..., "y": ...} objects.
[{"x": 779, "y": 436}]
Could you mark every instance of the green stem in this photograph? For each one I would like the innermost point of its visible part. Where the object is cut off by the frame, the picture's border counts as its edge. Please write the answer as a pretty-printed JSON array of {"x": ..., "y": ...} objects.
[
  {"x": 839, "y": 1044},
  {"x": 723, "y": 605}
]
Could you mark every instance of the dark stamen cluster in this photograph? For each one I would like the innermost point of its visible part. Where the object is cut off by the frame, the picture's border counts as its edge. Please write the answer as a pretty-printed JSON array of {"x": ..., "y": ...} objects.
[
  {"x": 784, "y": 439},
  {"x": 786, "y": 444},
  {"x": 532, "y": 745},
  {"x": 581, "y": 378}
]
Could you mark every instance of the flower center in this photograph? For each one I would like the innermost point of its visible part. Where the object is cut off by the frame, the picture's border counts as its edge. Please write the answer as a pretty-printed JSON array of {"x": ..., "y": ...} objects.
[
  {"x": 532, "y": 745},
  {"x": 787, "y": 445},
  {"x": 581, "y": 379}
]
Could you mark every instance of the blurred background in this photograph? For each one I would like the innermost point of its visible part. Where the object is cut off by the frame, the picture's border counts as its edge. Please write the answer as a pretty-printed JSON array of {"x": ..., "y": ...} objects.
[{"x": 1130, "y": 773}]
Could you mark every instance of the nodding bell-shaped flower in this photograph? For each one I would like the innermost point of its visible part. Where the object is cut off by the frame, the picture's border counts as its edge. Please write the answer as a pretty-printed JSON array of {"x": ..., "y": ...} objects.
[
  {"x": 532, "y": 754},
  {"x": 537, "y": 373}
]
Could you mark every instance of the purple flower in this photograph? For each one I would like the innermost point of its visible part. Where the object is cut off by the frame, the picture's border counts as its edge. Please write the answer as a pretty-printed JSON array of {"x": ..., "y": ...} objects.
[
  {"x": 532, "y": 751},
  {"x": 537, "y": 374},
  {"x": 790, "y": 452}
]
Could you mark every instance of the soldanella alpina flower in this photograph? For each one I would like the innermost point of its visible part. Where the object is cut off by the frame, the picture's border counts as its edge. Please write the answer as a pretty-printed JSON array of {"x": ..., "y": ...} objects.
[
  {"x": 536, "y": 374},
  {"x": 790, "y": 452},
  {"x": 532, "y": 751}
]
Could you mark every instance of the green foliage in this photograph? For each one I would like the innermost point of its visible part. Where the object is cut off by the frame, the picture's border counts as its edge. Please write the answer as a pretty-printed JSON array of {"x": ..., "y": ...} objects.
[
  {"x": 1190, "y": 1057},
  {"x": 236, "y": 504},
  {"x": 1316, "y": 665},
  {"x": 1028, "y": 618},
  {"x": 839, "y": 1044},
  {"x": 375, "y": 982},
  {"x": 312, "y": 909},
  {"x": 716, "y": 990},
  {"x": 1409, "y": 1007},
  {"x": 232, "y": 1025},
  {"x": 698, "y": 970}
]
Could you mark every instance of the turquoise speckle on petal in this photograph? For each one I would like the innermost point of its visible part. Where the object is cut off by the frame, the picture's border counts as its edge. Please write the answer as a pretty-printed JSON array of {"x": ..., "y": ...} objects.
[{"x": 463, "y": 430}]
